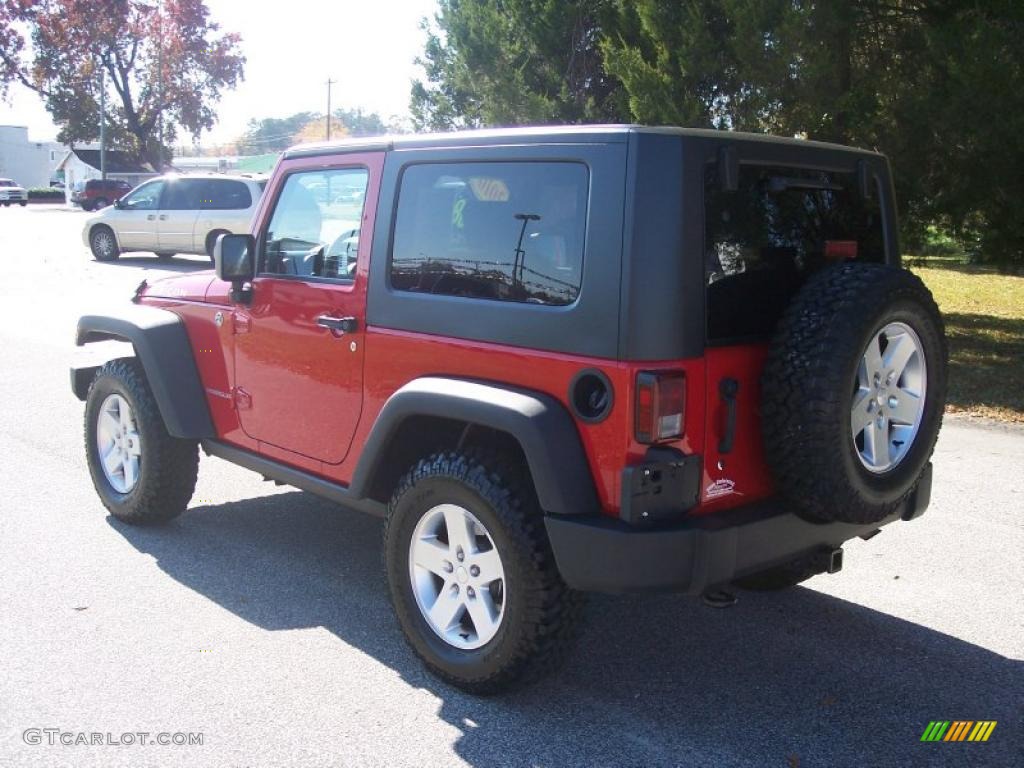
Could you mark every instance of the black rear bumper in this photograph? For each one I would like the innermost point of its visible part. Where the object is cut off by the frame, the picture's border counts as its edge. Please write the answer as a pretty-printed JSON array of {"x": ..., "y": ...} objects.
[{"x": 606, "y": 555}]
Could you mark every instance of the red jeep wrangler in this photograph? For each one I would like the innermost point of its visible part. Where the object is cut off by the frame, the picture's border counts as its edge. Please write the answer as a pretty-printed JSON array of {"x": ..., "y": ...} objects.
[{"x": 556, "y": 360}]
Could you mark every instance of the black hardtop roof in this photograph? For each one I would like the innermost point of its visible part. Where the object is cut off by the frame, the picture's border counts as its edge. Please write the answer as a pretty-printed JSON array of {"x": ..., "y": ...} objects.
[{"x": 547, "y": 134}]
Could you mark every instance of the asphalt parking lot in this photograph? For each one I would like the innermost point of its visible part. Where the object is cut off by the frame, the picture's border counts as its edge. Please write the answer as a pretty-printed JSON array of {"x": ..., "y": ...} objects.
[{"x": 259, "y": 618}]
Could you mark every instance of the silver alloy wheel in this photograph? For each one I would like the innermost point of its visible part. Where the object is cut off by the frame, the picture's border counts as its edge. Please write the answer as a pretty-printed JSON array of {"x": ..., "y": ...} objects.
[
  {"x": 104, "y": 242},
  {"x": 888, "y": 399},
  {"x": 457, "y": 577},
  {"x": 119, "y": 444}
]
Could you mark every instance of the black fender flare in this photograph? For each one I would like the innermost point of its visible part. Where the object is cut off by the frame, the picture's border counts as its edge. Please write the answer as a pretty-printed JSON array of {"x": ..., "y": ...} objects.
[
  {"x": 540, "y": 423},
  {"x": 162, "y": 346}
]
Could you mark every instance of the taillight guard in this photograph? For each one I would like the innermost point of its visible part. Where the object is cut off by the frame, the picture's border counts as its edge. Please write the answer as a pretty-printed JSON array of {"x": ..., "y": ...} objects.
[{"x": 660, "y": 405}]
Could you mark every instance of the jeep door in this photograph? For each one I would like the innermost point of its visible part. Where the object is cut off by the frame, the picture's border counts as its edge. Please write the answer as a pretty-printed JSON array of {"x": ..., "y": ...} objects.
[
  {"x": 179, "y": 210},
  {"x": 299, "y": 344},
  {"x": 135, "y": 218}
]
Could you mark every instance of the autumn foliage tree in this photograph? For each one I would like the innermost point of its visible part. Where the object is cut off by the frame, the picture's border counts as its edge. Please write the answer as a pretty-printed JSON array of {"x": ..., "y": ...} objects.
[{"x": 164, "y": 65}]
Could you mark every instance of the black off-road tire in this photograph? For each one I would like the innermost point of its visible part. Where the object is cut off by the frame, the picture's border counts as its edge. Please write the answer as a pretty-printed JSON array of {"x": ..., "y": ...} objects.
[
  {"x": 99, "y": 251},
  {"x": 168, "y": 466},
  {"x": 541, "y": 612},
  {"x": 808, "y": 387}
]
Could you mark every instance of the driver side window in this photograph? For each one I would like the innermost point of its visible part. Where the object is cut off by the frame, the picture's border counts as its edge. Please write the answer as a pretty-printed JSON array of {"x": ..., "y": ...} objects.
[
  {"x": 314, "y": 230},
  {"x": 145, "y": 198}
]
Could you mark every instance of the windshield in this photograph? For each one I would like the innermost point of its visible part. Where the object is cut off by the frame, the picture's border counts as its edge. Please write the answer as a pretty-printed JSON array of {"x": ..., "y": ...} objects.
[{"x": 6, "y": 183}]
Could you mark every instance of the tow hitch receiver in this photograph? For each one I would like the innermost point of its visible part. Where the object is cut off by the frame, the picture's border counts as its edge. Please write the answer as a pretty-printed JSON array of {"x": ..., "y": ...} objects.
[{"x": 832, "y": 560}]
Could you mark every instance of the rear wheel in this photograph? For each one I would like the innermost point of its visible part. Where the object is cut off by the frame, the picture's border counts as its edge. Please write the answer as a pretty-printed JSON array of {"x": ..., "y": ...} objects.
[
  {"x": 103, "y": 244},
  {"x": 23, "y": 203},
  {"x": 854, "y": 390},
  {"x": 141, "y": 473},
  {"x": 211, "y": 241},
  {"x": 472, "y": 577}
]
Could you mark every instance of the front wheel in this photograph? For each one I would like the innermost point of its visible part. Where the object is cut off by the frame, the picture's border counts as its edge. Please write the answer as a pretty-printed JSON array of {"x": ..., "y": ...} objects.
[
  {"x": 472, "y": 577},
  {"x": 141, "y": 473},
  {"x": 103, "y": 244}
]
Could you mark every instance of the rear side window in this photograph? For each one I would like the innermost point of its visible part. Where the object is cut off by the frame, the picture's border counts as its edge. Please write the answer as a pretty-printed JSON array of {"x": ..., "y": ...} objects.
[
  {"x": 182, "y": 195},
  {"x": 500, "y": 231},
  {"x": 225, "y": 195},
  {"x": 765, "y": 238}
]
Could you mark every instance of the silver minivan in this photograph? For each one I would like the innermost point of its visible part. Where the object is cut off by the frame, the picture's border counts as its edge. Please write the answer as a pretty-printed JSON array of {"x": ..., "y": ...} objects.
[{"x": 174, "y": 214}]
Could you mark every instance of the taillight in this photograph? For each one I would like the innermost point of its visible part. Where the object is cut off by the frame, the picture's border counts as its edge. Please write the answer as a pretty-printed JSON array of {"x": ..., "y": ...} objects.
[{"x": 660, "y": 405}]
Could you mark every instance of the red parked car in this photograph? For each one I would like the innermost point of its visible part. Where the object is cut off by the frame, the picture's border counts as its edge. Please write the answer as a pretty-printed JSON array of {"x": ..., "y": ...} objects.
[
  {"x": 556, "y": 360},
  {"x": 99, "y": 193}
]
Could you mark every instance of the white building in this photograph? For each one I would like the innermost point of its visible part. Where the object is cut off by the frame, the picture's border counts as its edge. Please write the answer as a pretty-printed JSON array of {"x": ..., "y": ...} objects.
[
  {"x": 29, "y": 163},
  {"x": 83, "y": 164}
]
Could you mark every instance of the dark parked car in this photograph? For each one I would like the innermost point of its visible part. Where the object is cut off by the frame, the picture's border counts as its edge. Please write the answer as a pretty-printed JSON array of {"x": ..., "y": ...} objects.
[{"x": 99, "y": 193}]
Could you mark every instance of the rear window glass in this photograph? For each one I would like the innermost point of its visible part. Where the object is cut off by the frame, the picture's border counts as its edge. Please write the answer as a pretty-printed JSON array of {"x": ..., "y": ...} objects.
[
  {"x": 765, "y": 238},
  {"x": 500, "y": 231}
]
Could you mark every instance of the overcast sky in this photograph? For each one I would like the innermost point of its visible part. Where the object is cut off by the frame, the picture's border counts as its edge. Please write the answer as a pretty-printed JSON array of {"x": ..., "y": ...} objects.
[{"x": 292, "y": 47}]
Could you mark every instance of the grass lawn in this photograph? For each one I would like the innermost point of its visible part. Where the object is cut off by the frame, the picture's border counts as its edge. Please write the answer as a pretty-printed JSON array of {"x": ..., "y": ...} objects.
[{"x": 984, "y": 313}]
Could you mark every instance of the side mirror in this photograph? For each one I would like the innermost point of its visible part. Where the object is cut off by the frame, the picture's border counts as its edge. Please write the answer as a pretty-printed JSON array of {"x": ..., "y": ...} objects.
[
  {"x": 234, "y": 258},
  {"x": 118, "y": 203}
]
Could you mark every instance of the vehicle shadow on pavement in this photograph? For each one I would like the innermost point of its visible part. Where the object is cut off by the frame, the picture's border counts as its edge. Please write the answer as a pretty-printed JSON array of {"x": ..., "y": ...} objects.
[
  {"x": 175, "y": 264},
  {"x": 791, "y": 679}
]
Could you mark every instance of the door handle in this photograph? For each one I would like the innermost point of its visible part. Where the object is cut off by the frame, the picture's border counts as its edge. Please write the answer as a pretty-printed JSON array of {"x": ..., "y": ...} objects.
[
  {"x": 163, "y": 217},
  {"x": 342, "y": 325},
  {"x": 151, "y": 217}
]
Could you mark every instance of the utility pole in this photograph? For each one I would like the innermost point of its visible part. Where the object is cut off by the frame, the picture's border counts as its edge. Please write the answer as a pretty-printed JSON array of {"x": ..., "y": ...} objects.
[
  {"x": 160, "y": 79},
  {"x": 103, "y": 124},
  {"x": 329, "y": 84}
]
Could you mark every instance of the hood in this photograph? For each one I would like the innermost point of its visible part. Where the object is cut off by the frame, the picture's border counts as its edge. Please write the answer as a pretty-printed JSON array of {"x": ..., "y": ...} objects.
[{"x": 190, "y": 287}]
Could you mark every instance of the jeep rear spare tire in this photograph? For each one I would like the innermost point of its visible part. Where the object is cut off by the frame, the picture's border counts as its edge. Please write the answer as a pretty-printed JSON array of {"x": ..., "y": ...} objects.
[{"x": 853, "y": 392}]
